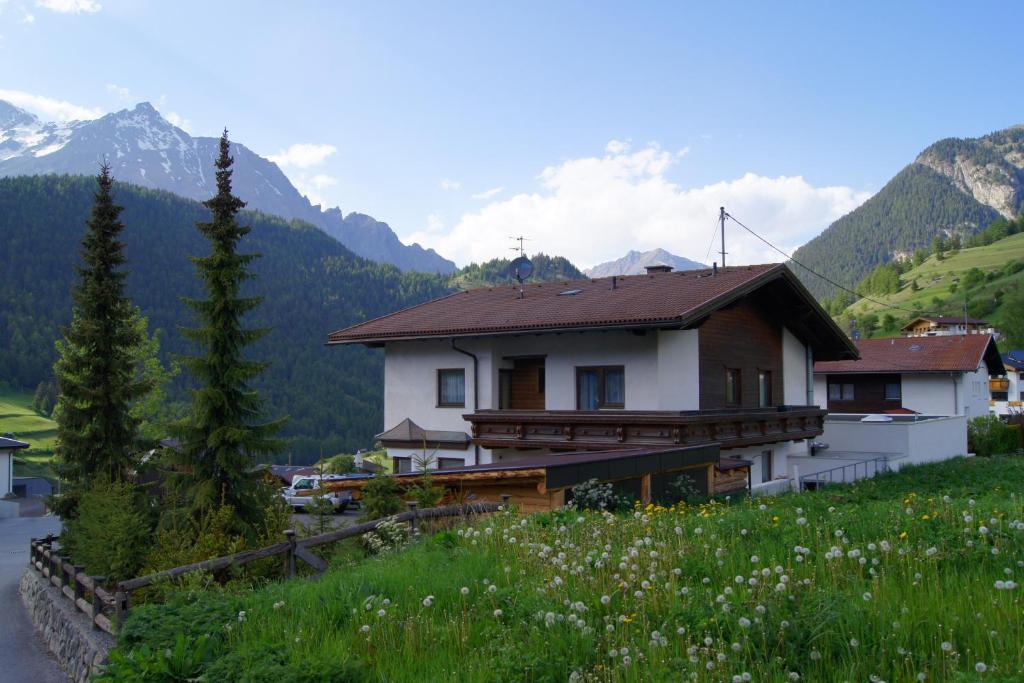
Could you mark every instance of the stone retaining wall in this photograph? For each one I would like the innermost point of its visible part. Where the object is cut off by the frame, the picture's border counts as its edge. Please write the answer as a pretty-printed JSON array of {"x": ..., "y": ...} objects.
[{"x": 79, "y": 648}]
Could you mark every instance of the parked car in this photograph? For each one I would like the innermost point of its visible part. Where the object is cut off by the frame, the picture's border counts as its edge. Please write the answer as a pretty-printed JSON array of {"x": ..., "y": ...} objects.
[{"x": 300, "y": 493}]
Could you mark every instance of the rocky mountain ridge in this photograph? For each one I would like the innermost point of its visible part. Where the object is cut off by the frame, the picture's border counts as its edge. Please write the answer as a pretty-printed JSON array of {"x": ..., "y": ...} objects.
[
  {"x": 634, "y": 263},
  {"x": 145, "y": 149}
]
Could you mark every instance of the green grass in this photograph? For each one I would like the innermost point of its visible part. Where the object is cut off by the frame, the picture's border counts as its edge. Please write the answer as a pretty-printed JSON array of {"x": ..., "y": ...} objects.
[
  {"x": 858, "y": 583},
  {"x": 18, "y": 418},
  {"x": 935, "y": 279}
]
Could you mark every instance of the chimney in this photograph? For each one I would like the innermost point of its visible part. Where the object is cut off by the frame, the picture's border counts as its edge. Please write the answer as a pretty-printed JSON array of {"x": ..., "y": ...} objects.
[
  {"x": 658, "y": 268},
  {"x": 714, "y": 268}
]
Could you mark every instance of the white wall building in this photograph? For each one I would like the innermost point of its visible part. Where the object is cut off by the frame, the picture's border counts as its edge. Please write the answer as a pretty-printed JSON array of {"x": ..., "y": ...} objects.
[
  {"x": 8, "y": 447},
  {"x": 717, "y": 356},
  {"x": 1008, "y": 391}
]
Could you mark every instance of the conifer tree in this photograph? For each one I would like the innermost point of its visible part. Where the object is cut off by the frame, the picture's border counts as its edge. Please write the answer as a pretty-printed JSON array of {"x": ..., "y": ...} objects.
[
  {"x": 96, "y": 373},
  {"x": 223, "y": 434}
]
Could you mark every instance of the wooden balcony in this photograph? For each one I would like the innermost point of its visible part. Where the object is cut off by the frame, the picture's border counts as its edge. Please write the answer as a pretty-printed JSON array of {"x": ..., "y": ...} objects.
[
  {"x": 999, "y": 384},
  {"x": 604, "y": 429}
]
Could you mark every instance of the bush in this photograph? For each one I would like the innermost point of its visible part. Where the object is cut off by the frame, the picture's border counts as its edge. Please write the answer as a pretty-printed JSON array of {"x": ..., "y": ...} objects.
[
  {"x": 111, "y": 532},
  {"x": 988, "y": 435},
  {"x": 381, "y": 498},
  {"x": 388, "y": 536},
  {"x": 684, "y": 488},
  {"x": 593, "y": 495},
  {"x": 339, "y": 464}
]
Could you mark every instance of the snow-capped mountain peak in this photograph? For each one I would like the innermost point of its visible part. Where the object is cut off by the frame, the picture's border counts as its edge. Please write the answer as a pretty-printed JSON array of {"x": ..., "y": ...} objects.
[{"x": 144, "y": 148}]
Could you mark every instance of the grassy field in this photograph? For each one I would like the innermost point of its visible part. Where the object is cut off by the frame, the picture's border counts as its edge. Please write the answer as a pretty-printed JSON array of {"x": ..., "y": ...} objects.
[
  {"x": 18, "y": 418},
  {"x": 911, "y": 576},
  {"x": 936, "y": 279}
]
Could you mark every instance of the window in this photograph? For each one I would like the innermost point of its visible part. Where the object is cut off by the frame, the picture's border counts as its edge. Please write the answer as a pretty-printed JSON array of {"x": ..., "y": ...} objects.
[
  {"x": 451, "y": 388},
  {"x": 449, "y": 463},
  {"x": 732, "y": 386},
  {"x": 840, "y": 392},
  {"x": 1000, "y": 395},
  {"x": 893, "y": 391},
  {"x": 764, "y": 388},
  {"x": 504, "y": 389},
  {"x": 766, "y": 466},
  {"x": 600, "y": 387},
  {"x": 402, "y": 465}
]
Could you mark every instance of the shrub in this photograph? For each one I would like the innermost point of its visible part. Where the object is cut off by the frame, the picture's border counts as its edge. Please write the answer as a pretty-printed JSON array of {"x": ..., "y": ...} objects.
[
  {"x": 389, "y": 535},
  {"x": 988, "y": 435},
  {"x": 593, "y": 495},
  {"x": 685, "y": 489},
  {"x": 339, "y": 464},
  {"x": 381, "y": 498},
  {"x": 111, "y": 532}
]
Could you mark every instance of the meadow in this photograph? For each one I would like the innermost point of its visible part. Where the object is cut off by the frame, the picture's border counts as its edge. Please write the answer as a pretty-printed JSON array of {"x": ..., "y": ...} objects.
[
  {"x": 913, "y": 576},
  {"x": 17, "y": 417}
]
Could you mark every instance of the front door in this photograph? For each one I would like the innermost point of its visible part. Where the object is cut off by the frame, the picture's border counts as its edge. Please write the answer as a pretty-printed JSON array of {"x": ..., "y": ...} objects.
[{"x": 525, "y": 384}]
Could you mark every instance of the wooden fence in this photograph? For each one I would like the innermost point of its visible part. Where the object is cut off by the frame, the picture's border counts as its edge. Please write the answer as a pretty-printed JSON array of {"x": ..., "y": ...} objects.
[{"x": 107, "y": 609}]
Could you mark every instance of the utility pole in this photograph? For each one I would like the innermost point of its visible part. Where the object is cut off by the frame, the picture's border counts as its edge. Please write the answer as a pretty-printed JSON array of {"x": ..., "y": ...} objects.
[{"x": 721, "y": 220}]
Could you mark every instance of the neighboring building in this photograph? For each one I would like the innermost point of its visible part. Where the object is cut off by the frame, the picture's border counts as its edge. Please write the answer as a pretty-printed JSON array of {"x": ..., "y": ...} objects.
[
  {"x": 32, "y": 487},
  {"x": 942, "y": 375},
  {"x": 671, "y": 360},
  {"x": 8, "y": 446},
  {"x": 940, "y": 326},
  {"x": 1008, "y": 391}
]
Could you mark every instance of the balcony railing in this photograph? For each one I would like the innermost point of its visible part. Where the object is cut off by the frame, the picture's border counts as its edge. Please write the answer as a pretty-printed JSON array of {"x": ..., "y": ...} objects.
[
  {"x": 604, "y": 429},
  {"x": 999, "y": 384}
]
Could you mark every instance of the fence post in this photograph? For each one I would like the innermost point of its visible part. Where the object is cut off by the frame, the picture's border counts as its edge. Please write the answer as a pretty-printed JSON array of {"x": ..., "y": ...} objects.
[
  {"x": 77, "y": 585},
  {"x": 121, "y": 606},
  {"x": 289, "y": 557},
  {"x": 414, "y": 522},
  {"x": 97, "y": 604}
]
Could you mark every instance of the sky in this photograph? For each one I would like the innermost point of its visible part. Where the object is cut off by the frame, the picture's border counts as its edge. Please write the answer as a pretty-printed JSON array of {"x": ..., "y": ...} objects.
[{"x": 590, "y": 128}]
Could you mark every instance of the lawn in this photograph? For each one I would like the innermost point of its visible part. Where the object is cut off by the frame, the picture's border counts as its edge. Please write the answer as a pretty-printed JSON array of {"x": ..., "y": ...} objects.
[
  {"x": 17, "y": 417},
  {"x": 911, "y": 576}
]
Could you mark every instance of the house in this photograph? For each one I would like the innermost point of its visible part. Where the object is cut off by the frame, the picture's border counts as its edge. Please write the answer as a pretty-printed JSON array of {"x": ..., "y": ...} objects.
[
  {"x": 8, "y": 446},
  {"x": 942, "y": 375},
  {"x": 1008, "y": 391},
  {"x": 506, "y": 376},
  {"x": 939, "y": 326},
  {"x": 906, "y": 401}
]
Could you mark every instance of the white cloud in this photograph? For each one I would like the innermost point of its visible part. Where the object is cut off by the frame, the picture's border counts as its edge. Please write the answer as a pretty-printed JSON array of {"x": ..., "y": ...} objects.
[
  {"x": 70, "y": 6},
  {"x": 122, "y": 93},
  {"x": 303, "y": 155},
  {"x": 28, "y": 18},
  {"x": 488, "y": 194},
  {"x": 449, "y": 184},
  {"x": 434, "y": 223},
  {"x": 49, "y": 108},
  {"x": 178, "y": 120},
  {"x": 313, "y": 186},
  {"x": 596, "y": 208}
]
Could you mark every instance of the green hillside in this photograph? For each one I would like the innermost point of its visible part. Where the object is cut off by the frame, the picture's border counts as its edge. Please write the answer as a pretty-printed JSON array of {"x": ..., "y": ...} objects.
[
  {"x": 18, "y": 418},
  {"x": 982, "y": 277},
  {"x": 913, "y": 207},
  {"x": 310, "y": 283}
]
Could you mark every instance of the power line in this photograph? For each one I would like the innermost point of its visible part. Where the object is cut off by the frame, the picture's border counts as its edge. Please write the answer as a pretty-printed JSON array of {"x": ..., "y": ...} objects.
[
  {"x": 714, "y": 233},
  {"x": 813, "y": 272}
]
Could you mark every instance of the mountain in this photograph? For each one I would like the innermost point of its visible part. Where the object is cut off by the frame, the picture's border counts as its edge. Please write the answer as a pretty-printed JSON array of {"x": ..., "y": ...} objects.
[
  {"x": 634, "y": 263},
  {"x": 497, "y": 272},
  {"x": 955, "y": 186},
  {"x": 310, "y": 283},
  {"x": 145, "y": 149}
]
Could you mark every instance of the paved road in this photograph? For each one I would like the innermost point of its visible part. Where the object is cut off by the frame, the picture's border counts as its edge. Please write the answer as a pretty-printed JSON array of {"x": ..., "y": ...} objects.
[{"x": 23, "y": 655}]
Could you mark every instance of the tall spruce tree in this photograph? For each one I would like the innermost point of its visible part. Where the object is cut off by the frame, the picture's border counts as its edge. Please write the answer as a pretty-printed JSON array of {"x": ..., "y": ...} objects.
[
  {"x": 96, "y": 367},
  {"x": 223, "y": 434}
]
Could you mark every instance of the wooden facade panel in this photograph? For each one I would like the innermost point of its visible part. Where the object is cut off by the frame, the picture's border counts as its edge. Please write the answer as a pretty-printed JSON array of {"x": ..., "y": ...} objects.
[
  {"x": 730, "y": 481},
  {"x": 528, "y": 384},
  {"x": 744, "y": 338},
  {"x": 868, "y": 393}
]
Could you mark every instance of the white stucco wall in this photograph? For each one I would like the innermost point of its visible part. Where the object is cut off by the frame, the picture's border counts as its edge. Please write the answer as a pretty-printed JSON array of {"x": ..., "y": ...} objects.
[
  {"x": 6, "y": 472},
  {"x": 782, "y": 454},
  {"x": 678, "y": 370},
  {"x": 947, "y": 394},
  {"x": 974, "y": 394},
  {"x": 821, "y": 391},
  {"x": 794, "y": 370}
]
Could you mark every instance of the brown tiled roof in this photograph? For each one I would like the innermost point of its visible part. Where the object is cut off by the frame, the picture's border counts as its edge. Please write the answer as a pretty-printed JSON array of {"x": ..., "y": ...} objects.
[
  {"x": 954, "y": 353},
  {"x": 946, "y": 320},
  {"x": 651, "y": 300}
]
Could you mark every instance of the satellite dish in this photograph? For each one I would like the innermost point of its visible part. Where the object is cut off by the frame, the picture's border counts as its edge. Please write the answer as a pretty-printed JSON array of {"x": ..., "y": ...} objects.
[{"x": 521, "y": 268}]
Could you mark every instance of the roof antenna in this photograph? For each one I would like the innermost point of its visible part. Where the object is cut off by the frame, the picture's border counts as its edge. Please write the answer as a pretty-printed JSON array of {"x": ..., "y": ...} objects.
[
  {"x": 721, "y": 221},
  {"x": 521, "y": 267}
]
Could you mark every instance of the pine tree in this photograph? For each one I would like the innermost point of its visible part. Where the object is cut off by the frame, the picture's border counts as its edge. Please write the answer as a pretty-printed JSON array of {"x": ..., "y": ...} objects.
[
  {"x": 222, "y": 436},
  {"x": 96, "y": 373}
]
